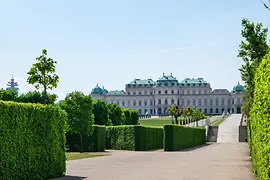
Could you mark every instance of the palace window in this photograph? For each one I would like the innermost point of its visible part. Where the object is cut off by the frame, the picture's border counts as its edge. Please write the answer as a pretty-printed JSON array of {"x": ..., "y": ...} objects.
[
  {"x": 217, "y": 110},
  {"x": 151, "y": 93},
  {"x": 159, "y": 101},
  {"x": 145, "y": 102},
  {"x": 134, "y": 102},
  {"x": 199, "y": 91},
  {"x": 205, "y": 111},
  {"x": 211, "y": 102},
  {"x": 134, "y": 93},
  {"x": 128, "y": 93},
  {"x": 188, "y": 102},
  {"x": 194, "y": 102},
  {"x": 172, "y": 101},
  {"x": 222, "y": 101},
  {"x": 193, "y": 92},
  {"x": 205, "y": 101},
  {"x": 123, "y": 103},
  {"x": 140, "y": 103},
  {"x": 140, "y": 93},
  {"x": 172, "y": 91},
  {"x": 200, "y": 102},
  {"x": 211, "y": 110},
  {"x": 145, "y": 92},
  {"x": 216, "y": 101},
  {"x": 128, "y": 103},
  {"x": 151, "y": 102},
  {"x": 238, "y": 100},
  {"x": 159, "y": 92},
  {"x": 166, "y": 92},
  {"x": 166, "y": 101}
]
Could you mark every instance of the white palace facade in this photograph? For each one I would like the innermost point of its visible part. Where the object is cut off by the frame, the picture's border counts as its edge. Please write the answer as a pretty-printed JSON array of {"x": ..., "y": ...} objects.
[{"x": 154, "y": 97}]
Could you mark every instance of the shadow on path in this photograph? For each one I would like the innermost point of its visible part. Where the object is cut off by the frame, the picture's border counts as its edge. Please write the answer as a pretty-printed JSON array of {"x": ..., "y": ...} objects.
[
  {"x": 192, "y": 148},
  {"x": 70, "y": 178}
]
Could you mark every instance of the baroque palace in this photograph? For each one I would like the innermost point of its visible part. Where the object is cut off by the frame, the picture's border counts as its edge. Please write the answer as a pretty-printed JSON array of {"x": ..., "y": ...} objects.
[{"x": 153, "y": 98}]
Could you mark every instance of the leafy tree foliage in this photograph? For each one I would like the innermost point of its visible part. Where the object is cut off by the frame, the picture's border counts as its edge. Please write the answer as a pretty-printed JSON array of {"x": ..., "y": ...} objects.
[
  {"x": 8, "y": 95},
  {"x": 175, "y": 112},
  {"x": 252, "y": 50},
  {"x": 43, "y": 74},
  {"x": 115, "y": 114},
  {"x": 100, "y": 111},
  {"x": 37, "y": 97},
  {"x": 79, "y": 108},
  {"x": 127, "y": 117},
  {"x": 134, "y": 115}
]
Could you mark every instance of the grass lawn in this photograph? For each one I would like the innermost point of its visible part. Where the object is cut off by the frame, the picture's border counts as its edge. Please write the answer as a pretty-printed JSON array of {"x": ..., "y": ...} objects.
[
  {"x": 156, "y": 121},
  {"x": 77, "y": 155},
  {"x": 218, "y": 121}
]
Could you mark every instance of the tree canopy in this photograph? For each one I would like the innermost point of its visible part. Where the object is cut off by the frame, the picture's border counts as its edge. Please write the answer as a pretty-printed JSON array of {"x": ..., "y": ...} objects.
[{"x": 42, "y": 73}]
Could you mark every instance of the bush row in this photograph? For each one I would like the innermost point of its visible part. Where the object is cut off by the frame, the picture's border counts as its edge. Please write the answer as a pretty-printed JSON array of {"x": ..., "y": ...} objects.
[
  {"x": 32, "y": 141},
  {"x": 259, "y": 122},
  {"x": 91, "y": 143},
  {"x": 136, "y": 138},
  {"x": 181, "y": 137}
]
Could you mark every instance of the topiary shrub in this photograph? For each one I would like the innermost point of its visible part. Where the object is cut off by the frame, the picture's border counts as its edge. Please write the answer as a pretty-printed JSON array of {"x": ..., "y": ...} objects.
[
  {"x": 32, "y": 141},
  {"x": 135, "y": 138},
  {"x": 180, "y": 137},
  {"x": 91, "y": 143},
  {"x": 260, "y": 123}
]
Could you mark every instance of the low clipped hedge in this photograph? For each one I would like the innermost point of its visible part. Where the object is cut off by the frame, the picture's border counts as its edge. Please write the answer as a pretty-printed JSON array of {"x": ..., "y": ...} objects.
[
  {"x": 32, "y": 141},
  {"x": 91, "y": 143},
  {"x": 134, "y": 137},
  {"x": 259, "y": 129},
  {"x": 180, "y": 137}
]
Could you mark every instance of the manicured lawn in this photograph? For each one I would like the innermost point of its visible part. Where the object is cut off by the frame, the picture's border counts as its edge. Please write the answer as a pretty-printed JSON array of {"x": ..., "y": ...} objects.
[
  {"x": 156, "y": 121},
  {"x": 77, "y": 155}
]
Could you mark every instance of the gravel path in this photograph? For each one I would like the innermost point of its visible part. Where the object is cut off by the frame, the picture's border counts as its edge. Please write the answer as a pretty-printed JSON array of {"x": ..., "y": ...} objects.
[
  {"x": 212, "y": 162},
  {"x": 228, "y": 131}
]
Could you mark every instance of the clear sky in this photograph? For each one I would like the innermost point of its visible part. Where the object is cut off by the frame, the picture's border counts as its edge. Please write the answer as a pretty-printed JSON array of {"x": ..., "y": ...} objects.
[{"x": 112, "y": 42}]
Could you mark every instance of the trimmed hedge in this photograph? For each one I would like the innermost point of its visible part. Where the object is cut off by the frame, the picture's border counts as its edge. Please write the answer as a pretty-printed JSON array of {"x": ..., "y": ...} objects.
[
  {"x": 180, "y": 137},
  {"x": 32, "y": 141},
  {"x": 91, "y": 143},
  {"x": 130, "y": 137},
  {"x": 259, "y": 122}
]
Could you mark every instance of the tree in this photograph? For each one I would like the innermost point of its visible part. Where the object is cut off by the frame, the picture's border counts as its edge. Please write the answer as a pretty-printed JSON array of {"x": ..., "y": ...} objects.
[
  {"x": 79, "y": 108},
  {"x": 252, "y": 50},
  {"x": 101, "y": 113},
  {"x": 115, "y": 114},
  {"x": 175, "y": 112},
  {"x": 134, "y": 115},
  {"x": 37, "y": 97},
  {"x": 43, "y": 74},
  {"x": 8, "y": 95}
]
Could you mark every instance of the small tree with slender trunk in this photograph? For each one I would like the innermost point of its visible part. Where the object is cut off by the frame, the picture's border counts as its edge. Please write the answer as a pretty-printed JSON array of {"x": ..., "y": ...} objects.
[{"x": 175, "y": 112}]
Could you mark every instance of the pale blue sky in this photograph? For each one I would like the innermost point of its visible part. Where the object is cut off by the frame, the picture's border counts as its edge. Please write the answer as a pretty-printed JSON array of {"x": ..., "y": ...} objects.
[{"x": 111, "y": 42}]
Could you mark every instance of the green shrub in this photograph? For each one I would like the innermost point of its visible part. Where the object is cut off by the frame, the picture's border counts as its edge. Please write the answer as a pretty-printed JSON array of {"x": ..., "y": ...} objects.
[
  {"x": 127, "y": 117},
  {"x": 134, "y": 115},
  {"x": 130, "y": 137},
  {"x": 180, "y": 137},
  {"x": 32, "y": 141},
  {"x": 91, "y": 143},
  {"x": 259, "y": 122},
  {"x": 115, "y": 114}
]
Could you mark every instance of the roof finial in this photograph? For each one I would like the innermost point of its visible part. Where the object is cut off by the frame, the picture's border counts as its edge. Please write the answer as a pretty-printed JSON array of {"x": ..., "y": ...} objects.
[
  {"x": 238, "y": 83},
  {"x": 12, "y": 76},
  {"x": 171, "y": 74},
  {"x": 163, "y": 74},
  {"x": 97, "y": 85}
]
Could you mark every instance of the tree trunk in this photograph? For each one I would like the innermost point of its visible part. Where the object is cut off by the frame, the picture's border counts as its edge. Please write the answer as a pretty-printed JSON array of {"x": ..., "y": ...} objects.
[
  {"x": 176, "y": 121},
  {"x": 81, "y": 142}
]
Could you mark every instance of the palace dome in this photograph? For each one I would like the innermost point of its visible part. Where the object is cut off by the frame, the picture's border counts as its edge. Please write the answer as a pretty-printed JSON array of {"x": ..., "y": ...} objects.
[
  {"x": 97, "y": 90},
  {"x": 238, "y": 88}
]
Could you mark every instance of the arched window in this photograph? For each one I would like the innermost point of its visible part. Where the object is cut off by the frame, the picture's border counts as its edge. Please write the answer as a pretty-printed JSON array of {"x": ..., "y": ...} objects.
[
  {"x": 166, "y": 92},
  {"x": 216, "y": 110},
  {"x": 172, "y": 101},
  {"x": 211, "y": 110},
  {"x": 166, "y": 101},
  {"x": 159, "y": 92},
  {"x": 205, "y": 111},
  {"x": 159, "y": 101}
]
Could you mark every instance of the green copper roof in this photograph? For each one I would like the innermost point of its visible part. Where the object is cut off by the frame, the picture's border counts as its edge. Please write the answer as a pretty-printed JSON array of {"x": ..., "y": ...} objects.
[
  {"x": 141, "y": 83},
  {"x": 194, "y": 81},
  {"x": 238, "y": 88},
  {"x": 116, "y": 92},
  {"x": 167, "y": 78},
  {"x": 99, "y": 90}
]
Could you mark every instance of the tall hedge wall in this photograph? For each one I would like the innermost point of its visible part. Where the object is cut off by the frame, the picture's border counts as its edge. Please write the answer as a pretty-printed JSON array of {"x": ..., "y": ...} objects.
[
  {"x": 180, "y": 137},
  {"x": 32, "y": 141},
  {"x": 260, "y": 123},
  {"x": 130, "y": 137},
  {"x": 91, "y": 143}
]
